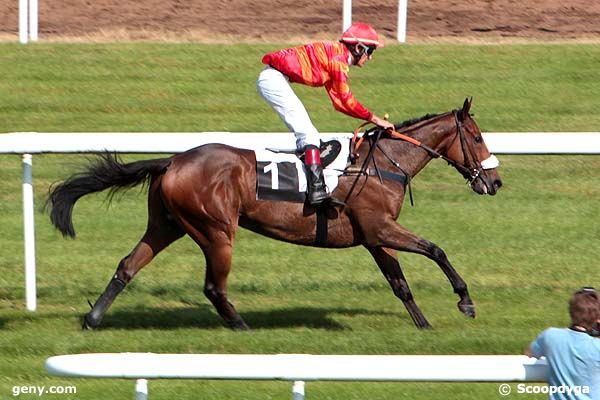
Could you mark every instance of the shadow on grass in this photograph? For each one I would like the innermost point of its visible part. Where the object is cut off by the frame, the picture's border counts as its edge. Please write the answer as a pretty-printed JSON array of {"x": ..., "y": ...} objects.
[{"x": 204, "y": 317}]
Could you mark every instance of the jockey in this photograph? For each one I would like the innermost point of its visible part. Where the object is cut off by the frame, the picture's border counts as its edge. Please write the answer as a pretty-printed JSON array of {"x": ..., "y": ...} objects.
[{"x": 318, "y": 64}]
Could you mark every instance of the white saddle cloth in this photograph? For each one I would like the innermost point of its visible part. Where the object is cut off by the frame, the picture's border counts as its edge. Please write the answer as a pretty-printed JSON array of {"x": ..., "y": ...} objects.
[{"x": 331, "y": 172}]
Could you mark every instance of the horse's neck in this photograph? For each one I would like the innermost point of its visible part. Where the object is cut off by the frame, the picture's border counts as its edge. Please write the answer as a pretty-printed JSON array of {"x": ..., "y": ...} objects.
[{"x": 414, "y": 159}]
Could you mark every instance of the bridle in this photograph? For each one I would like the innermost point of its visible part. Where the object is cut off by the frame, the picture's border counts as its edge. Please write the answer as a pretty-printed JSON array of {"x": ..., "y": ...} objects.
[{"x": 470, "y": 168}]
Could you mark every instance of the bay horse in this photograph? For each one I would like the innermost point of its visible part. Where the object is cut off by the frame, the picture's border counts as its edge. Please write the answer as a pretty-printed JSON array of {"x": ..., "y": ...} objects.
[{"x": 208, "y": 191}]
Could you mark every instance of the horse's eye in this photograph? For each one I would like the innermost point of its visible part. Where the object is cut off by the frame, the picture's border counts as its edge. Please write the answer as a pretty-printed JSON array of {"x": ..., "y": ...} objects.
[{"x": 478, "y": 139}]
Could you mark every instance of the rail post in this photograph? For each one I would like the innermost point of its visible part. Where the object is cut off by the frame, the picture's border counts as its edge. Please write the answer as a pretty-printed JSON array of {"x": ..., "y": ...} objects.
[
  {"x": 402, "y": 18},
  {"x": 298, "y": 390},
  {"x": 141, "y": 389},
  {"x": 29, "y": 233}
]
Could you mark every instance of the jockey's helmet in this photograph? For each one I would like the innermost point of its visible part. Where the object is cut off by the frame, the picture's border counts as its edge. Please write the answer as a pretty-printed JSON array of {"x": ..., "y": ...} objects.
[{"x": 362, "y": 33}]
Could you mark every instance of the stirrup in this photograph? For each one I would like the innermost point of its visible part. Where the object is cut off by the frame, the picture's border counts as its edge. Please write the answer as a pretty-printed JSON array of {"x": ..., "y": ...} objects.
[
  {"x": 328, "y": 201},
  {"x": 320, "y": 198},
  {"x": 333, "y": 201}
]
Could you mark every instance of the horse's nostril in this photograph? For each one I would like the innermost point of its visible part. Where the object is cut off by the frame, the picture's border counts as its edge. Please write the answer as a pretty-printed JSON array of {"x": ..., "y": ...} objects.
[{"x": 497, "y": 184}]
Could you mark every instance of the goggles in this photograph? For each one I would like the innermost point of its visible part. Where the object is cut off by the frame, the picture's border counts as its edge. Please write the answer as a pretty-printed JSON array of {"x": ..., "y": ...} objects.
[
  {"x": 367, "y": 49},
  {"x": 586, "y": 290}
]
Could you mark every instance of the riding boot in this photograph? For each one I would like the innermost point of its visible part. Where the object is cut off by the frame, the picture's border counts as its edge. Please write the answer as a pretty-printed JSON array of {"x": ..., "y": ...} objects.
[{"x": 317, "y": 191}]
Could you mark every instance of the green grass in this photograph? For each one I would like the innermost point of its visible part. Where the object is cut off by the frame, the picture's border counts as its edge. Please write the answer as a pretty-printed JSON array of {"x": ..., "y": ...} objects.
[
  {"x": 190, "y": 87},
  {"x": 522, "y": 252}
]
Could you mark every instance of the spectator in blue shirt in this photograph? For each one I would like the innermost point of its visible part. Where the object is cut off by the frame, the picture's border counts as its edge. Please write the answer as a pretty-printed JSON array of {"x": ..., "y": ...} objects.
[{"x": 573, "y": 355}]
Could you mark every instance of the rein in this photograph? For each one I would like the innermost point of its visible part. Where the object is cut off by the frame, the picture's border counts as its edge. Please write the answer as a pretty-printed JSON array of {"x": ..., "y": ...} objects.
[
  {"x": 471, "y": 173},
  {"x": 470, "y": 168},
  {"x": 365, "y": 165},
  {"x": 364, "y": 170}
]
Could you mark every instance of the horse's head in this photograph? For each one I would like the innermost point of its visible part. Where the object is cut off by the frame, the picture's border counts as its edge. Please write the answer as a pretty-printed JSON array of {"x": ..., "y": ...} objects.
[{"x": 471, "y": 156}]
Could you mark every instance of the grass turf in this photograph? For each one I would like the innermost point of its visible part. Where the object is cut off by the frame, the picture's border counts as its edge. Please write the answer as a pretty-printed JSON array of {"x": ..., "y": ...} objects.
[{"x": 522, "y": 252}]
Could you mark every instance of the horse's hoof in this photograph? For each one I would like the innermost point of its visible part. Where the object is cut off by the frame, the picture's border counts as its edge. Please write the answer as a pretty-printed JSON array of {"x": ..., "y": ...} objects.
[
  {"x": 421, "y": 322},
  {"x": 87, "y": 324},
  {"x": 238, "y": 324},
  {"x": 467, "y": 308},
  {"x": 240, "y": 327}
]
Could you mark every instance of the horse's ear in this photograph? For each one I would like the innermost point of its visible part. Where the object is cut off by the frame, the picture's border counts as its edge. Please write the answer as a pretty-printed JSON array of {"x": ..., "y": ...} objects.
[{"x": 464, "y": 112}]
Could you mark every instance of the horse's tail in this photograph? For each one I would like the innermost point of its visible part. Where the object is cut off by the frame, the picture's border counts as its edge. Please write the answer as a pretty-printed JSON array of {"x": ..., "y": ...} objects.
[{"x": 105, "y": 172}]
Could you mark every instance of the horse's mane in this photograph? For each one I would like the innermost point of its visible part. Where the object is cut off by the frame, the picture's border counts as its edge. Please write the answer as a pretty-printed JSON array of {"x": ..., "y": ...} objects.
[
  {"x": 413, "y": 121},
  {"x": 410, "y": 122}
]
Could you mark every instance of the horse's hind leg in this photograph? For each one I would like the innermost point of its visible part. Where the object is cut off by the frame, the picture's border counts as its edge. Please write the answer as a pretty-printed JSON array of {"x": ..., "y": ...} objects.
[
  {"x": 218, "y": 266},
  {"x": 160, "y": 233},
  {"x": 389, "y": 266},
  {"x": 215, "y": 238}
]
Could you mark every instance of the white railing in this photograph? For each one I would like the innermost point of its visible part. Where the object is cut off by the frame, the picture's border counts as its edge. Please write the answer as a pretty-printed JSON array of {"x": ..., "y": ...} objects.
[
  {"x": 402, "y": 18},
  {"x": 175, "y": 142},
  {"x": 28, "y": 143},
  {"x": 298, "y": 368}
]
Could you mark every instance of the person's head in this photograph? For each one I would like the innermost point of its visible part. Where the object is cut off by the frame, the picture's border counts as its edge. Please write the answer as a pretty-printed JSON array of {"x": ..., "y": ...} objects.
[
  {"x": 361, "y": 40},
  {"x": 584, "y": 308}
]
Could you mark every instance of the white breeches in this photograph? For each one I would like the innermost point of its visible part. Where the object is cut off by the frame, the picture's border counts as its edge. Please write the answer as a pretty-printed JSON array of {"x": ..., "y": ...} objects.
[{"x": 275, "y": 88}]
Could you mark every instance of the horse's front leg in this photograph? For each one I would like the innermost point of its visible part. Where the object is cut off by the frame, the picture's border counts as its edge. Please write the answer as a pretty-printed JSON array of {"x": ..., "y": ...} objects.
[
  {"x": 389, "y": 266},
  {"x": 395, "y": 236}
]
